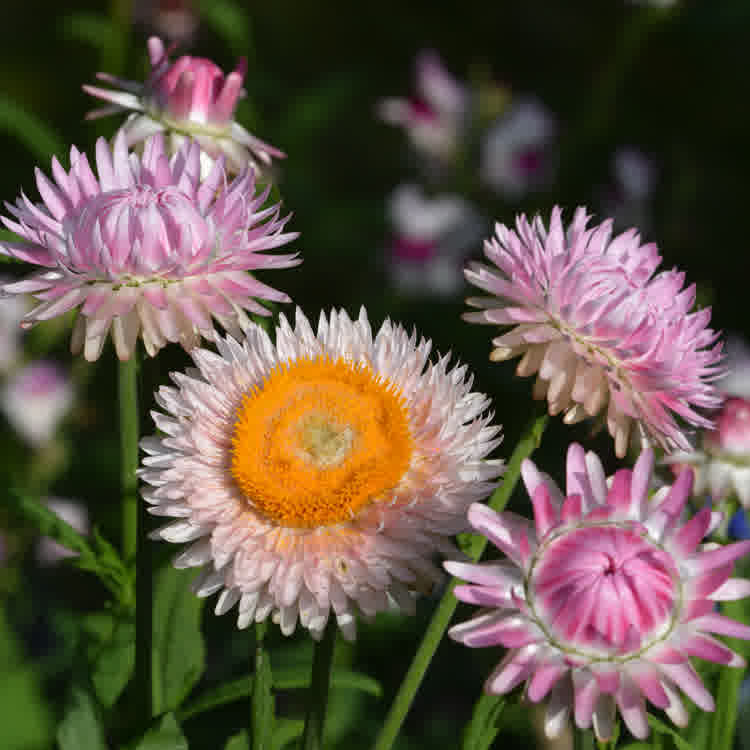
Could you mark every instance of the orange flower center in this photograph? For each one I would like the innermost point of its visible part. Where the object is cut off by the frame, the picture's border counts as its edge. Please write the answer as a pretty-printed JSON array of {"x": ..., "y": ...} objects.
[{"x": 319, "y": 440}]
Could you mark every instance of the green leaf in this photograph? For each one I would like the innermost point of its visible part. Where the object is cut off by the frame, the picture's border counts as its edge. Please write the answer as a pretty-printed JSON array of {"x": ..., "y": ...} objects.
[
  {"x": 287, "y": 730},
  {"x": 484, "y": 726},
  {"x": 662, "y": 728},
  {"x": 20, "y": 697},
  {"x": 239, "y": 741},
  {"x": 30, "y": 130},
  {"x": 289, "y": 678},
  {"x": 114, "y": 664},
  {"x": 81, "y": 727},
  {"x": 178, "y": 651},
  {"x": 166, "y": 735},
  {"x": 637, "y": 746}
]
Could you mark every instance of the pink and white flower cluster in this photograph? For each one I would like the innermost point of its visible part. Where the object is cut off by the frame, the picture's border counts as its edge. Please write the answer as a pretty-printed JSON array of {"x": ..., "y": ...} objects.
[{"x": 601, "y": 329}]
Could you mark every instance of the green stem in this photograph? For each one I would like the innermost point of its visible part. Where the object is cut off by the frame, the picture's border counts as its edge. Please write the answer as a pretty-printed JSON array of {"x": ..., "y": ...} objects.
[
  {"x": 484, "y": 726},
  {"x": 312, "y": 738},
  {"x": 583, "y": 739},
  {"x": 135, "y": 544},
  {"x": 530, "y": 439},
  {"x": 262, "y": 701}
]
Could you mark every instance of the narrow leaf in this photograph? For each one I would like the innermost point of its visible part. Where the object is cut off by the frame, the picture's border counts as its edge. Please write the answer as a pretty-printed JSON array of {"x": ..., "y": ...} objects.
[
  {"x": 114, "y": 663},
  {"x": 286, "y": 731},
  {"x": 178, "y": 650},
  {"x": 166, "y": 735},
  {"x": 239, "y": 741},
  {"x": 30, "y": 130},
  {"x": 484, "y": 726},
  {"x": 662, "y": 728}
]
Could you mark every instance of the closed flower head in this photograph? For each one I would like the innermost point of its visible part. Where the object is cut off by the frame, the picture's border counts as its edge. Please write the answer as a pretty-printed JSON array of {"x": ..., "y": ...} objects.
[
  {"x": 320, "y": 475},
  {"x": 602, "y": 332},
  {"x": 148, "y": 248},
  {"x": 190, "y": 97},
  {"x": 602, "y": 600}
]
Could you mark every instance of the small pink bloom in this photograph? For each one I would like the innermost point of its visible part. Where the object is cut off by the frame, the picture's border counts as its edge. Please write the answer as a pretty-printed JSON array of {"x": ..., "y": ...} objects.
[
  {"x": 50, "y": 552},
  {"x": 148, "y": 248},
  {"x": 434, "y": 117},
  {"x": 35, "y": 399},
  {"x": 190, "y": 97},
  {"x": 517, "y": 150},
  {"x": 432, "y": 237},
  {"x": 600, "y": 329},
  {"x": 604, "y": 598}
]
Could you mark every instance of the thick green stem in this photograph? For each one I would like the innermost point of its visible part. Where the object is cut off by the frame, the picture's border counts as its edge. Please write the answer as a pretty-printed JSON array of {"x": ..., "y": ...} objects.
[
  {"x": 262, "y": 701},
  {"x": 312, "y": 738},
  {"x": 583, "y": 739},
  {"x": 135, "y": 543},
  {"x": 530, "y": 439}
]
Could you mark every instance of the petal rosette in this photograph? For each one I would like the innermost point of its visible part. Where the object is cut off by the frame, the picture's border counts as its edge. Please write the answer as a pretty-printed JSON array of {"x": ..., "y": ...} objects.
[
  {"x": 604, "y": 597},
  {"x": 186, "y": 98},
  {"x": 148, "y": 248},
  {"x": 321, "y": 475},
  {"x": 600, "y": 329}
]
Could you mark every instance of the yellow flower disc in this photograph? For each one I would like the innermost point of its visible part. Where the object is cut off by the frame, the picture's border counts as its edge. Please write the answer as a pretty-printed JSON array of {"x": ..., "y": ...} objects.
[{"x": 318, "y": 441}]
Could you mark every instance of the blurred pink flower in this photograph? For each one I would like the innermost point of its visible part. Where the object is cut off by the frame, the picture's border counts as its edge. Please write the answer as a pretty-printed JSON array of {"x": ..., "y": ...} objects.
[
  {"x": 176, "y": 20},
  {"x": 435, "y": 117},
  {"x": 148, "y": 248},
  {"x": 517, "y": 150},
  {"x": 190, "y": 97},
  {"x": 431, "y": 238},
  {"x": 12, "y": 310},
  {"x": 602, "y": 600},
  {"x": 50, "y": 552},
  {"x": 35, "y": 399},
  {"x": 599, "y": 328}
]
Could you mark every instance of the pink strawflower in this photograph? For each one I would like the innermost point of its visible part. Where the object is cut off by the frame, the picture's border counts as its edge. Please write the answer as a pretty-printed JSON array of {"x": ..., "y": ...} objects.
[
  {"x": 35, "y": 399},
  {"x": 602, "y": 600},
  {"x": 190, "y": 97},
  {"x": 601, "y": 331},
  {"x": 149, "y": 248},
  {"x": 435, "y": 117},
  {"x": 722, "y": 463},
  {"x": 321, "y": 474}
]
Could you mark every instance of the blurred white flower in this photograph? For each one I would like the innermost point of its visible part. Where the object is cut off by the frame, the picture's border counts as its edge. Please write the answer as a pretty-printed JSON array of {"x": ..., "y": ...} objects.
[
  {"x": 435, "y": 116},
  {"x": 35, "y": 399},
  {"x": 737, "y": 363},
  {"x": 12, "y": 310},
  {"x": 516, "y": 151},
  {"x": 50, "y": 552},
  {"x": 431, "y": 238},
  {"x": 627, "y": 199}
]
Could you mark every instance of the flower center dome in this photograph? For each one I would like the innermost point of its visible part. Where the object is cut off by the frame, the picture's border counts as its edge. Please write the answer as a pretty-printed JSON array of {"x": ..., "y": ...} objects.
[
  {"x": 319, "y": 440},
  {"x": 604, "y": 590}
]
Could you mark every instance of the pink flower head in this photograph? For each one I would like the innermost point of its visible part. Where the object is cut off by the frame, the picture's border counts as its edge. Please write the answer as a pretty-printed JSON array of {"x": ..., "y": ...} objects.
[
  {"x": 601, "y": 331},
  {"x": 190, "y": 97},
  {"x": 35, "y": 399},
  {"x": 722, "y": 464},
  {"x": 435, "y": 116},
  {"x": 319, "y": 476},
  {"x": 604, "y": 598},
  {"x": 148, "y": 248}
]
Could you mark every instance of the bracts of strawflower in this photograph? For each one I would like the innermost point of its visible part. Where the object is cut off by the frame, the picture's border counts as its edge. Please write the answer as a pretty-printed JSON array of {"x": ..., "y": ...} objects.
[
  {"x": 147, "y": 248},
  {"x": 601, "y": 329},
  {"x": 319, "y": 476},
  {"x": 603, "y": 599}
]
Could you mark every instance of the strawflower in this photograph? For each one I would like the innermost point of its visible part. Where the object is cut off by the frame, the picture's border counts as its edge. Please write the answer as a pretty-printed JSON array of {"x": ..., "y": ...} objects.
[
  {"x": 600, "y": 329},
  {"x": 148, "y": 248},
  {"x": 602, "y": 600},
  {"x": 319, "y": 475},
  {"x": 188, "y": 98}
]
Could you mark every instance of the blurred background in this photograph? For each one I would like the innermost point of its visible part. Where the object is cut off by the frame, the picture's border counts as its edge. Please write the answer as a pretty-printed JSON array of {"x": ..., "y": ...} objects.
[{"x": 410, "y": 128}]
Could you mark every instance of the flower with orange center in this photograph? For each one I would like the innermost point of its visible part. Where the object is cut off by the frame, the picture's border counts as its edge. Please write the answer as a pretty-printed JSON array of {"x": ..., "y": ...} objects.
[{"x": 324, "y": 472}]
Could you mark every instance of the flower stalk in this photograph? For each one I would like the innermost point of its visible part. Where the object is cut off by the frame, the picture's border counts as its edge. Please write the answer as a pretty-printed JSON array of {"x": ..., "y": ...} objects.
[{"x": 312, "y": 738}]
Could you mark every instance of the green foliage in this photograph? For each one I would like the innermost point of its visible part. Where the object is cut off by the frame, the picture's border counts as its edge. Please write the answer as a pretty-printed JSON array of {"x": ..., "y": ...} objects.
[
  {"x": 113, "y": 663},
  {"x": 285, "y": 731},
  {"x": 661, "y": 728},
  {"x": 82, "y": 726},
  {"x": 38, "y": 137},
  {"x": 178, "y": 650},
  {"x": 231, "y": 23},
  {"x": 484, "y": 726},
  {"x": 239, "y": 741},
  {"x": 165, "y": 735},
  {"x": 27, "y": 722}
]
